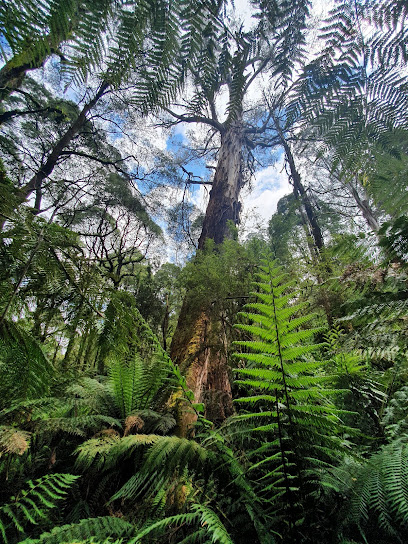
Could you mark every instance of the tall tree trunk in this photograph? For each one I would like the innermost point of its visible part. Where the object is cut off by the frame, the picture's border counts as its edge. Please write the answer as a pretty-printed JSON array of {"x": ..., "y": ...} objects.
[
  {"x": 300, "y": 191},
  {"x": 224, "y": 205},
  {"x": 315, "y": 239},
  {"x": 199, "y": 342}
]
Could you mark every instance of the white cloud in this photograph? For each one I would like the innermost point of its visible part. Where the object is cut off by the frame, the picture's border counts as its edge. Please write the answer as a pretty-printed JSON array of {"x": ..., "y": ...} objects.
[{"x": 259, "y": 204}]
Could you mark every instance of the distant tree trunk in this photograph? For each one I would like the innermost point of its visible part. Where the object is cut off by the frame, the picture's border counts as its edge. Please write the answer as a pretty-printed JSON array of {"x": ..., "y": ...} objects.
[
  {"x": 301, "y": 194},
  {"x": 363, "y": 204},
  {"x": 315, "y": 239},
  {"x": 73, "y": 337},
  {"x": 88, "y": 349},
  {"x": 199, "y": 341},
  {"x": 165, "y": 323}
]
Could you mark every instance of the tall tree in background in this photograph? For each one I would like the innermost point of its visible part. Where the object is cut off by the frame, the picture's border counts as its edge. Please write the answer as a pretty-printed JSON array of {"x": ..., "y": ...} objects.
[{"x": 237, "y": 60}]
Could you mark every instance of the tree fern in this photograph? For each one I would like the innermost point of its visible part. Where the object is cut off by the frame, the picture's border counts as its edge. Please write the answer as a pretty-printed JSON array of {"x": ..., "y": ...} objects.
[
  {"x": 136, "y": 382},
  {"x": 157, "y": 461},
  {"x": 33, "y": 502},
  {"x": 295, "y": 430},
  {"x": 141, "y": 371}
]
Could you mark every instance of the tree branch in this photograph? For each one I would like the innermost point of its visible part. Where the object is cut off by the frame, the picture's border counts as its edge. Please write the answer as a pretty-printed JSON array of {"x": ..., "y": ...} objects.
[{"x": 197, "y": 119}]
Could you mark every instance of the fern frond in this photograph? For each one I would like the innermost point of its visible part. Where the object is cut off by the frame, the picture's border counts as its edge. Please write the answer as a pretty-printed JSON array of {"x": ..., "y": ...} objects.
[
  {"x": 25, "y": 372},
  {"x": 165, "y": 457},
  {"x": 32, "y": 503},
  {"x": 13, "y": 440},
  {"x": 163, "y": 524},
  {"x": 92, "y": 528},
  {"x": 288, "y": 408},
  {"x": 210, "y": 520},
  {"x": 381, "y": 491}
]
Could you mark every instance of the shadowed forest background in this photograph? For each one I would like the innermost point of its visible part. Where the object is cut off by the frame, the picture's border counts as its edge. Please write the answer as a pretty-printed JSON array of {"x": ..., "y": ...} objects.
[{"x": 173, "y": 368}]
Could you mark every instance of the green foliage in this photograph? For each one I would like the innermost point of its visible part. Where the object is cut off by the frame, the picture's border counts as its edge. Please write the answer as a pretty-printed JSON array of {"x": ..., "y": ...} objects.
[
  {"x": 376, "y": 310},
  {"x": 25, "y": 29},
  {"x": 163, "y": 458},
  {"x": 141, "y": 370},
  {"x": 95, "y": 529},
  {"x": 136, "y": 383},
  {"x": 25, "y": 372},
  {"x": 394, "y": 239},
  {"x": 219, "y": 274},
  {"x": 32, "y": 503},
  {"x": 364, "y": 395},
  {"x": 112, "y": 37},
  {"x": 355, "y": 99},
  {"x": 295, "y": 428},
  {"x": 213, "y": 528},
  {"x": 282, "y": 225},
  {"x": 395, "y": 415},
  {"x": 379, "y": 503},
  {"x": 83, "y": 375}
]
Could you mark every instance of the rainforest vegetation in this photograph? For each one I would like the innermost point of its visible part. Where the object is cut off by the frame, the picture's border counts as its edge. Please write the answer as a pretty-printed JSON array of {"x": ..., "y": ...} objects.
[{"x": 177, "y": 372}]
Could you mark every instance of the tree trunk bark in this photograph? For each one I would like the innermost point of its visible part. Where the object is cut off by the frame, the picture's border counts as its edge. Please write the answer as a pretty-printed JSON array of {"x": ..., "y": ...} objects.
[
  {"x": 224, "y": 205},
  {"x": 199, "y": 342}
]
